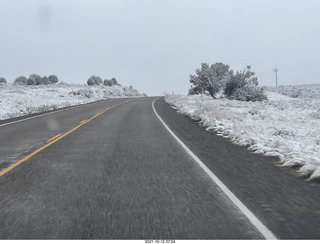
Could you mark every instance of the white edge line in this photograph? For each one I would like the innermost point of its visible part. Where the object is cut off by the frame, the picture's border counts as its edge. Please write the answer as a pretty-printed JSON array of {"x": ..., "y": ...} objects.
[
  {"x": 48, "y": 113},
  {"x": 252, "y": 218}
]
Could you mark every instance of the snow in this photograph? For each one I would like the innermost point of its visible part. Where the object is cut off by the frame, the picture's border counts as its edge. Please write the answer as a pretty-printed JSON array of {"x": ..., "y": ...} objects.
[
  {"x": 311, "y": 91},
  {"x": 17, "y": 101},
  {"x": 285, "y": 127}
]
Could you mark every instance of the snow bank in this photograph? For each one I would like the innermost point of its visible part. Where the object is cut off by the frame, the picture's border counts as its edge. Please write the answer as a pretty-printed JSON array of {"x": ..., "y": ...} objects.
[
  {"x": 288, "y": 128},
  {"x": 17, "y": 101}
]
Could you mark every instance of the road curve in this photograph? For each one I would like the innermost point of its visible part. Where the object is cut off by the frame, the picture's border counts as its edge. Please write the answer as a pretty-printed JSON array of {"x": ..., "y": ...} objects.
[
  {"x": 119, "y": 176},
  {"x": 115, "y": 172},
  {"x": 287, "y": 204}
]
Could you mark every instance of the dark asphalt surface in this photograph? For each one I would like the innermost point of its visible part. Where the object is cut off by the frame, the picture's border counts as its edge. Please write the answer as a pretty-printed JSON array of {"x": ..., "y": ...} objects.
[
  {"x": 287, "y": 204},
  {"x": 123, "y": 176},
  {"x": 19, "y": 139}
]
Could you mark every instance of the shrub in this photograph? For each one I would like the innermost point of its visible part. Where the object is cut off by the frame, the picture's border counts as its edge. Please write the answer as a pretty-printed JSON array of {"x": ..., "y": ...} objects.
[
  {"x": 21, "y": 80},
  {"x": 34, "y": 79},
  {"x": 3, "y": 81},
  {"x": 31, "y": 81},
  {"x": 45, "y": 80},
  {"x": 90, "y": 81},
  {"x": 114, "y": 80},
  {"x": 108, "y": 82},
  {"x": 94, "y": 80},
  {"x": 53, "y": 79},
  {"x": 243, "y": 86},
  {"x": 209, "y": 79},
  {"x": 97, "y": 80}
]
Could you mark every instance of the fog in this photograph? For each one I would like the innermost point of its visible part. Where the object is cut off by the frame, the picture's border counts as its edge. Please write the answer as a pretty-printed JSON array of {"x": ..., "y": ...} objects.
[{"x": 155, "y": 45}]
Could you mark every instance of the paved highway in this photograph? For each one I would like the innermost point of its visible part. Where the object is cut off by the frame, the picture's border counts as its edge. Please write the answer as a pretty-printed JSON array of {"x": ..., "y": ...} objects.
[{"x": 111, "y": 170}]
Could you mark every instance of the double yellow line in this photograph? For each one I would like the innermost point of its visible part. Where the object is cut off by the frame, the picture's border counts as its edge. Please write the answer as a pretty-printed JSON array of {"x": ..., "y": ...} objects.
[{"x": 57, "y": 138}]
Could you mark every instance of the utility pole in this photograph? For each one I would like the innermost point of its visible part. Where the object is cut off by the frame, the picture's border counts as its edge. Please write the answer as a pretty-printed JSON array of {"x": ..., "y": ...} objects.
[{"x": 276, "y": 72}]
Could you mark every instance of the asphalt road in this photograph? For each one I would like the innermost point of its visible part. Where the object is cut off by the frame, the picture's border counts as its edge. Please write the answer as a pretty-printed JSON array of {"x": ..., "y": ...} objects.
[{"x": 119, "y": 174}]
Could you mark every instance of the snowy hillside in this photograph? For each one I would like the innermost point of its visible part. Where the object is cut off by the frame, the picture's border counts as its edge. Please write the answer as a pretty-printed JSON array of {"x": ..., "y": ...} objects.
[
  {"x": 17, "y": 101},
  {"x": 286, "y": 127}
]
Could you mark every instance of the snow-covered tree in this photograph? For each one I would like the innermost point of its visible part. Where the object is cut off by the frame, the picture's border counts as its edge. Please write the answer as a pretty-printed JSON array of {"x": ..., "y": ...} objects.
[
  {"x": 108, "y": 82},
  {"x": 114, "y": 80},
  {"x": 34, "y": 79},
  {"x": 21, "y": 80},
  {"x": 45, "y": 80},
  {"x": 111, "y": 82},
  {"x": 209, "y": 79},
  {"x": 31, "y": 81},
  {"x": 3, "y": 81},
  {"x": 90, "y": 81},
  {"x": 53, "y": 79},
  {"x": 94, "y": 80},
  {"x": 243, "y": 86},
  {"x": 97, "y": 80}
]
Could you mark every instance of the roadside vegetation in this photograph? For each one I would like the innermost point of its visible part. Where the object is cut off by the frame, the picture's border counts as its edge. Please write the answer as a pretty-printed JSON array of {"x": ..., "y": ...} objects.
[
  {"x": 286, "y": 125},
  {"x": 218, "y": 78},
  {"x": 35, "y": 80},
  {"x": 37, "y": 94},
  {"x": 3, "y": 81}
]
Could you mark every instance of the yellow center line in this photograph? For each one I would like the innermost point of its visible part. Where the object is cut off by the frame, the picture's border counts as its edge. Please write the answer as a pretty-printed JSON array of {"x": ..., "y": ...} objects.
[
  {"x": 83, "y": 121},
  {"x": 53, "y": 140}
]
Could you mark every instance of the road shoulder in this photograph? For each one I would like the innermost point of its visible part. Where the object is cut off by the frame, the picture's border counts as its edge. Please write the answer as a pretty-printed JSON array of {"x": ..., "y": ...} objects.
[{"x": 285, "y": 203}]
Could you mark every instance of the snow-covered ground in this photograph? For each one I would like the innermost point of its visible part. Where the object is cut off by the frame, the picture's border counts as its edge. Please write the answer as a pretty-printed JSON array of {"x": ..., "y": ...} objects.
[
  {"x": 17, "y": 101},
  {"x": 286, "y": 127},
  {"x": 311, "y": 91}
]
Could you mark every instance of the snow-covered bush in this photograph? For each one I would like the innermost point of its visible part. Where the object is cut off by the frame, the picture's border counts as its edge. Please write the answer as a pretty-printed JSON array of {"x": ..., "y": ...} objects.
[
  {"x": 97, "y": 80},
  {"x": 3, "y": 81},
  {"x": 21, "y": 80},
  {"x": 18, "y": 101},
  {"x": 90, "y": 81},
  {"x": 108, "y": 82},
  {"x": 94, "y": 80},
  {"x": 114, "y": 80},
  {"x": 53, "y": 79},
  {"x": 209, "y": 79},
  {"x": 45, "y": 80},
  {"x": 111, "y": 82},
  {"x": 34, "y": 79},
  {"x": 243, "y": 86},
  {"x": 31, "y": 81},
  {"x": 82, "y": 93},
  {"x": 310, "y": 91},
  {"x": 284, "y": 127}
]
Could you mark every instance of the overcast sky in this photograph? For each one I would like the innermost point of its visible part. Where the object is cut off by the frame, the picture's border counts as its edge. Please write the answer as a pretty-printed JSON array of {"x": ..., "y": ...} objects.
[{"x": 155, "y": 45}]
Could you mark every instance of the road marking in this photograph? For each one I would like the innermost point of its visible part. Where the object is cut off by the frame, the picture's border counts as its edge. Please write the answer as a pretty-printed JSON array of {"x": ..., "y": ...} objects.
[
  {"x": 52, "y": 138},
  {"x": 55, "y": 140},
  {"x": 252, "y": 218},
  {"x": 82, "y": 121},
  {"x": 53, "y": 112}
]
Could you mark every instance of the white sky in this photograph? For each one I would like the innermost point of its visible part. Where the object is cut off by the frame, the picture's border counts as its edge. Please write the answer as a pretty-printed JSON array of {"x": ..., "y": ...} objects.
[{"x": 155, "y": 45}]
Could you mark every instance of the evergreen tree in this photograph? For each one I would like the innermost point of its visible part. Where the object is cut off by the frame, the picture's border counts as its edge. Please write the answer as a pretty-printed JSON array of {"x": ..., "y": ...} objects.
[
  {"x": 3, "y": 81},
  {"x": 243, "y": 86},
  {"x": 209, "y": 79},
  {"x": 21, "y": 80}
]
